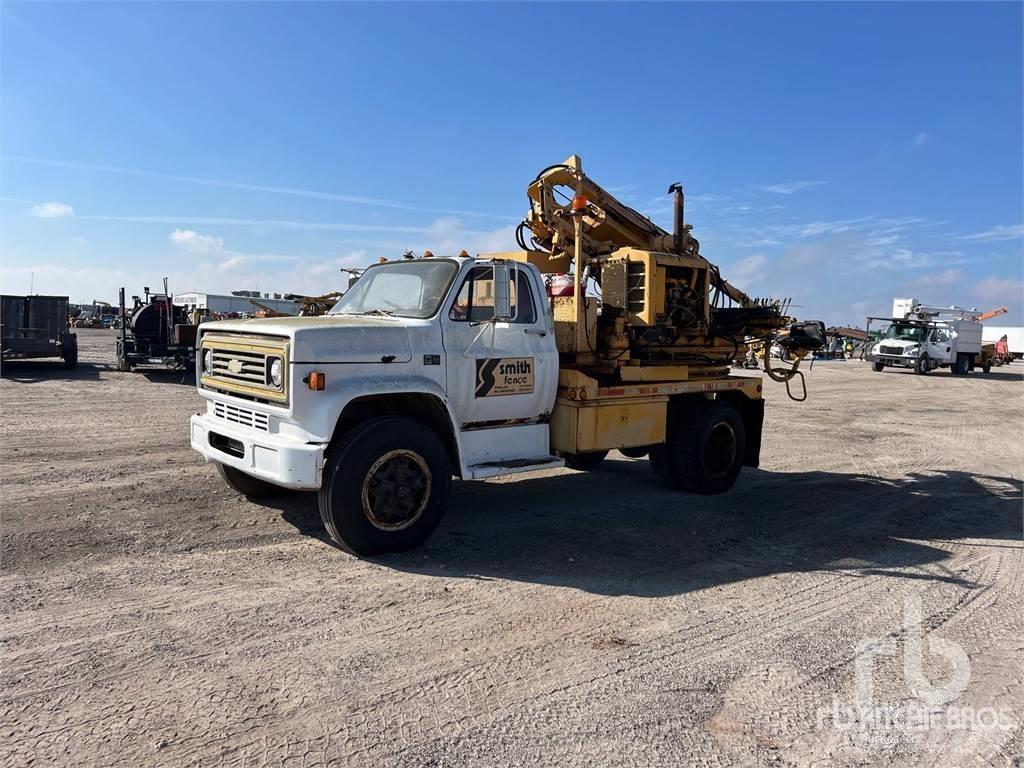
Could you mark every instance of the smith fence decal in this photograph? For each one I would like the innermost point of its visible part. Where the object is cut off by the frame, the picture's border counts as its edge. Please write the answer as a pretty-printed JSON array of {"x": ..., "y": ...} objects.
[{"x": 504, "y": 376}]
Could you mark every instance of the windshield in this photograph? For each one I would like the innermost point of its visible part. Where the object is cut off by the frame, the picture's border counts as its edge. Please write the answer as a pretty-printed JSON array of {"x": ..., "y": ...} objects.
[
  {"x": 905, "y": 332},
  {"x": 400, "y": 288}
]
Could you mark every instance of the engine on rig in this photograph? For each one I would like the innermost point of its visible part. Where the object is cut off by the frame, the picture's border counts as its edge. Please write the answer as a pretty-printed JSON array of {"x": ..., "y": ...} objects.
[{"x": 655, "y": 300}]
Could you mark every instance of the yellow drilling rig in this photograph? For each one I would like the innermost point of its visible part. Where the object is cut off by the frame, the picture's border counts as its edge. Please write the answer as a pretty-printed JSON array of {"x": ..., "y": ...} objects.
[{"x": 661, "y": 311}]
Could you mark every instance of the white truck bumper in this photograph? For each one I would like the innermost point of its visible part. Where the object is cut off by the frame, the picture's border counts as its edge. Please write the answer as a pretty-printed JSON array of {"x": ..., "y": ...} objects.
[
  {"x": 270, "y": 457},
  {"x": 898, "y": 361}
]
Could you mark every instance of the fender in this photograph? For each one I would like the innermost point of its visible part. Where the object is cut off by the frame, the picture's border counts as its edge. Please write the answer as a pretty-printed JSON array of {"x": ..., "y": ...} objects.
[{"x": 323, "y": 418}]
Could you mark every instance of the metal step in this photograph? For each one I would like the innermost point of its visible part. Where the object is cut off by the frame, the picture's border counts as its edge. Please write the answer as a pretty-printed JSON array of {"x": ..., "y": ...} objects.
[{"x": 514, "y": 466}]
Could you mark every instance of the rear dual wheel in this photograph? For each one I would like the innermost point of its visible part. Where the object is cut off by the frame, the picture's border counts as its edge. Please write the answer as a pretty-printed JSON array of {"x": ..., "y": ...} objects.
[
  {"x": 704, "y": 449},
  {"x": 385, "y": 486}
]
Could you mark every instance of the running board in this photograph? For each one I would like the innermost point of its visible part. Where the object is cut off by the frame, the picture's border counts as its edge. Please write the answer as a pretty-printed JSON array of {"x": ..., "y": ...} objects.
[{"x": 513, "y": 467}]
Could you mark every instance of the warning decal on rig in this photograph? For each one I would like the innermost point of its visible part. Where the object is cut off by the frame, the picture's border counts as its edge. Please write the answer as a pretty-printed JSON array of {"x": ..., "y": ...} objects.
[{"x": 504, "y": 376}]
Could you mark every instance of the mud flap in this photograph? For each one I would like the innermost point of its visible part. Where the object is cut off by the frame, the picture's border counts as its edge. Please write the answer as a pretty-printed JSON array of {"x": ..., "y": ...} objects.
[{"x": 752, "y": 413}]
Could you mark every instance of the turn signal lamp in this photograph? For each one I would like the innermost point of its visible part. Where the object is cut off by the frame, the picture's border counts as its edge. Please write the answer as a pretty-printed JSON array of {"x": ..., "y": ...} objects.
[{"x": 317, "y": 381}]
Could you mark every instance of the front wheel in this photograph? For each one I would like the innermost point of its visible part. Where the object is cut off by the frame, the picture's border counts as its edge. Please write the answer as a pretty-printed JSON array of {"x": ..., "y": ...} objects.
[
  {"x": 921, "y": 366},
  {"x": 877, "y": 367},
  {"x": 247, "y": 485},
  {"x": 704, "y": 451},
  {"x": 385, "y": 486}
]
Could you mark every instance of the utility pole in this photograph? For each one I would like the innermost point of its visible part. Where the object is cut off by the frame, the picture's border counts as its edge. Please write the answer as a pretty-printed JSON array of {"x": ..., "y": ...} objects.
[{"x": 31, "y": 282}]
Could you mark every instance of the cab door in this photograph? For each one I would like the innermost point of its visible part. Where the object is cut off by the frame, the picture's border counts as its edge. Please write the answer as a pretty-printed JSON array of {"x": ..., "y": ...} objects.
[
  {"x": 939, "y": 344},
  {"x": 501, "y": 374}
]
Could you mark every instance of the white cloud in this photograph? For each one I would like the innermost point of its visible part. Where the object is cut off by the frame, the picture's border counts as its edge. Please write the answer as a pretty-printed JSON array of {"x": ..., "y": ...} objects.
[
  {"x": 787, "y": 187},
  {"x": 196, "y": 242},
  {"x": 208, "y": 263},
  {"x": 264, "y": 188},
  {"x": 257, "y": 223},
  {"x": 750, "y": 269},
  {"x": 921, "y": 138},
  {"x": 996, "y": 233},
  {"x": 998, "y": 290},
  {"x": 945, "y": 277},
  {"x": 449, "y": 235},
  {"x": 52, "y": 210}
]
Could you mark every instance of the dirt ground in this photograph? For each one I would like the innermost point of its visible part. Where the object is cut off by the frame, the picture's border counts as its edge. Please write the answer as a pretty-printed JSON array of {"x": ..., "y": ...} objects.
[{"x": 153, "y": 617}]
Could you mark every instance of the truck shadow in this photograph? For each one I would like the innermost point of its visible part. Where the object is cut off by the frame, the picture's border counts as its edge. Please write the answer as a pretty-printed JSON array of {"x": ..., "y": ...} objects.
[
  {"x": 1003, "y": 373},
  {"x": 616, "y": 532},
  {"x": 159, "y": 376},
  {"x": 35, "y": 371}
]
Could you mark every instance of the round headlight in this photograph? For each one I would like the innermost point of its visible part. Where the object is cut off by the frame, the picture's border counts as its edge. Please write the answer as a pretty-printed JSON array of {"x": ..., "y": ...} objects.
[
  {"x": 276, "y": 372},
  {"x": 208, "y": 361}
]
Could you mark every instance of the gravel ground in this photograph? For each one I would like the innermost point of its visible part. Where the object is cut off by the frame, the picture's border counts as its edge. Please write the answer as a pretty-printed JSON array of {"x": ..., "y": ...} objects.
[{"x": 153, "y": 617}]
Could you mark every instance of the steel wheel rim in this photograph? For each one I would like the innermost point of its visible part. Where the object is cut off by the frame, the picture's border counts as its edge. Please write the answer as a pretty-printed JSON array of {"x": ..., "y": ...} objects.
[
  {"x": 720, "y": 450},
  {"x": 396, "y": 490}
]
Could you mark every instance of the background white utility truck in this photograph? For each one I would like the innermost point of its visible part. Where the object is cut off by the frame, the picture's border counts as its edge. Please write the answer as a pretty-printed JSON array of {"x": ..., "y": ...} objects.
[{"x": 925, "y": 338}]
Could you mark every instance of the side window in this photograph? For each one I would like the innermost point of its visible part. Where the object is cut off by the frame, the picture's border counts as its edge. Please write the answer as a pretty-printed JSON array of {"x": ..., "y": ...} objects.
[{"x": 474, "y": 302}]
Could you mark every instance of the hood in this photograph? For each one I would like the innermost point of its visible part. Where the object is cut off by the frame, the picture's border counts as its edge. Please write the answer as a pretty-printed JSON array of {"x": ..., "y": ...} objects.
[
  {"x": 330, "y": 338},
  {"x": 901, "y": 344}
]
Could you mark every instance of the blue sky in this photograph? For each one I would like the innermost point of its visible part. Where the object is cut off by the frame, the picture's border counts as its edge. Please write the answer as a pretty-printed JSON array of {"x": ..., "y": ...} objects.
[{"x": 839, "y": 154}]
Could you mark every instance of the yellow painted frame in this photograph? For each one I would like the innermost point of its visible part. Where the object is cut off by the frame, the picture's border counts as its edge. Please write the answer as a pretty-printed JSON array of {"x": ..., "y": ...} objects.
[{"x": 214, "y": 342}]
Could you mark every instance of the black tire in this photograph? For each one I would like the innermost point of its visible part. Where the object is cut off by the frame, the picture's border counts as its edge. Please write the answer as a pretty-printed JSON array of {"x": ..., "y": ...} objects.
[
  {"x": 584, "y": 461},
  {"x": 704, "y": 450},
  {"x": 70, "y": 352},
  {"x": 635, "y": 453},
  {"x": 122, "y": 360},
  {"x": 986, "y": 368},
  {"x": 963, "y": 365},
  {"x": 877, "y": 367},
  {"x": 406, "y": 457},
  {"x": 921, "y": 366},
  {"x": 247, "y": 485}
]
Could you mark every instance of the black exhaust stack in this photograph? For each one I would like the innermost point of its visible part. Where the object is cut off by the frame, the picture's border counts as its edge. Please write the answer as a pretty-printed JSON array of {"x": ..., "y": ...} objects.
[{"x": 679, "y": 228}]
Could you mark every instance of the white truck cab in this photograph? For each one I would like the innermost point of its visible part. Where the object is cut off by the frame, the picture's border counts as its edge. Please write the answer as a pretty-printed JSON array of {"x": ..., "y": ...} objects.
[
  {"x": 416, "y": 346},
  {"x": 401, "y": 330}
]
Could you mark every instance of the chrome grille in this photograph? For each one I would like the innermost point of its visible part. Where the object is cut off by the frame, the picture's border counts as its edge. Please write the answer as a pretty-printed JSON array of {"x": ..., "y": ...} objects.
[
  {"x": 251, "y": 367},
  {"x": 239, "y": 364},
  {"x": 242, "y": 416}
]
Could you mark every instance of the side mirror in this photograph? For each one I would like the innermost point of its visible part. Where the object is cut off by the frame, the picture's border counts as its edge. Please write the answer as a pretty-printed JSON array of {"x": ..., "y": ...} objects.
[{"x": 502, "y": 292}]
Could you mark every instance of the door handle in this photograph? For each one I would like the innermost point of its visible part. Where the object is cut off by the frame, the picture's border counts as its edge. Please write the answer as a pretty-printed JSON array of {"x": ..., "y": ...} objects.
[{"x": 535, "y": 331}]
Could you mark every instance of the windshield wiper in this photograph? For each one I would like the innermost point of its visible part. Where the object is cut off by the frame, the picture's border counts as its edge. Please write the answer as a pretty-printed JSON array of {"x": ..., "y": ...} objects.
[{"x": 377, "y": 311}]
